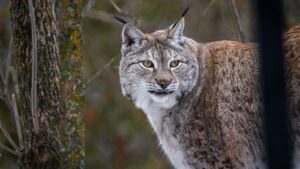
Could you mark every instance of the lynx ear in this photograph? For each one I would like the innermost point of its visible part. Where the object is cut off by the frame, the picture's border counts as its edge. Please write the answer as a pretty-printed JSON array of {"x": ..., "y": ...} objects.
[
  {"x": 176, "y": 31},
  {"x": 132, "y": 37}
]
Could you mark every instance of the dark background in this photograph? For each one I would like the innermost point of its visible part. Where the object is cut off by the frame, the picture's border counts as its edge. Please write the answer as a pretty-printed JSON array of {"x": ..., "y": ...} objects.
[{"x": 118, "y": 135}]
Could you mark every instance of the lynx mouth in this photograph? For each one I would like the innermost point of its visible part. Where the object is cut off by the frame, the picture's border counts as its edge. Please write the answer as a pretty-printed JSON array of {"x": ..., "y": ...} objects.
[{"x": 160, "y": 92}]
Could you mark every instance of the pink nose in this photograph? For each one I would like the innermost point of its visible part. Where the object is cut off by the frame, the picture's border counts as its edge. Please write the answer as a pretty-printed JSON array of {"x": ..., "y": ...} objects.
[{"x": 163, "y": 82}]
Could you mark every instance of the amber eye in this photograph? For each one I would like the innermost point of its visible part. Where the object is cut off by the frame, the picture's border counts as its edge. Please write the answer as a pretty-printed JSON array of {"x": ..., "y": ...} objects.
[
  {"x": 174, "y": 63},
  {"x": 147, "y": 63}
]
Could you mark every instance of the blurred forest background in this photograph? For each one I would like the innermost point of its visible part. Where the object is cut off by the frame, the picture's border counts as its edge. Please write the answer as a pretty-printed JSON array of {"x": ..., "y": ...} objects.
[{"x": 118, "y": 135}]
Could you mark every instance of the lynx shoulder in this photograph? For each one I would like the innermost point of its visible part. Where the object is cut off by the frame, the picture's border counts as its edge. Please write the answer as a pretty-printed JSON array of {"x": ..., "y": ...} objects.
[{"x": 203, "y": 99}]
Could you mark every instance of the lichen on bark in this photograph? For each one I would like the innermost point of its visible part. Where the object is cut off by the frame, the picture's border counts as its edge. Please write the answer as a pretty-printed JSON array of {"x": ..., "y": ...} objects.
[{"x": 71, "y": 84}]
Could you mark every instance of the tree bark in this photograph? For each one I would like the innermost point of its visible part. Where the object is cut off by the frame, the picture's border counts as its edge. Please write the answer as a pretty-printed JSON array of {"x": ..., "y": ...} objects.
[
  {"x": 70, "y": 25},
  {"x": 59, "y": 142}
]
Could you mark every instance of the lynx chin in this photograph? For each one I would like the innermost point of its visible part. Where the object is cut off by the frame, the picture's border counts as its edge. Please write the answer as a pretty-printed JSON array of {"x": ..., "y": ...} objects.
[{"x": 203, "y": 99}]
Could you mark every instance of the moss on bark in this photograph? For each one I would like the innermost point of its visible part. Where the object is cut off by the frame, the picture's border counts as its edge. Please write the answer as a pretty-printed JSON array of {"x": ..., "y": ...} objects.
[{"x": 71, "y": 84}]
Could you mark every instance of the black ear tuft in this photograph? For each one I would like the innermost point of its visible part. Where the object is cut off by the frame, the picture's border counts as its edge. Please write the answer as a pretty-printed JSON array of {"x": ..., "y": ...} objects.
[
  {"x": 120, "y": 20},
  {"x": 182, "y": 15},
  {"x": 185, "y": 11}
]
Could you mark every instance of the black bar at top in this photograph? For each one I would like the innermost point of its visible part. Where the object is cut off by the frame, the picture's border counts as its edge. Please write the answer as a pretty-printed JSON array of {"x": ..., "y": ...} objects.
[{"x": 269, "y": 25}]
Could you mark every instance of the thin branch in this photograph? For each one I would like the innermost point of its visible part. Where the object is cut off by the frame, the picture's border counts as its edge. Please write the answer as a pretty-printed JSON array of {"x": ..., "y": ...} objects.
[
  {"x": 7, "y": 100},
  {"x": 208, "y": 7},
  {"x": 97, "y": 74},
  {"x": 100, "y": 15},
  {"x": 34, "y": 69},
  {"x": 100, "y": 71},
  {"x": 8, "y": 61},
  {"x": 17, "y": 153},
  {"x": 109, "y": 18},
  {"x": 89, "y": 6},
  {"x": 119, "y": 10},
  {"x": 8, "y": 137},
  {"x": 18, "y": 123},
  {"x": 241, "y": 33}
]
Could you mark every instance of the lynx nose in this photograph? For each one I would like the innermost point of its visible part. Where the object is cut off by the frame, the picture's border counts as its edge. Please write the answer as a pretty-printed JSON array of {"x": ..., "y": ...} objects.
[{"x": 163, "y": 82}]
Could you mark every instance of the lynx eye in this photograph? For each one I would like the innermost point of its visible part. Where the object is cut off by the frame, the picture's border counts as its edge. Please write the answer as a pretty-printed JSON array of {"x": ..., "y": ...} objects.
[
  {"x": 147, "y": 64},
  {"x": 175, "y": 64}
]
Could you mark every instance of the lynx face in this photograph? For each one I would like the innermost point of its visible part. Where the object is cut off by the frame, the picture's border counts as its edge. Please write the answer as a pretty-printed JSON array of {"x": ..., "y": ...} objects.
[{"x": 156, "y": 68}]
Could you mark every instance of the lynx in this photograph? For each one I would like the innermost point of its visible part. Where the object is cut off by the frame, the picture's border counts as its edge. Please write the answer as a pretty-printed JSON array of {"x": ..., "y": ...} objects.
[{"x": 203, "y": 100}]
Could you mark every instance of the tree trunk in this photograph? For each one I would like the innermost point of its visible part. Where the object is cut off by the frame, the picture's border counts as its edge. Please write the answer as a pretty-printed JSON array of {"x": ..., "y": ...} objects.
[
  {"x": 71, "y": 85},
  {"x": 59, "y": 142}
]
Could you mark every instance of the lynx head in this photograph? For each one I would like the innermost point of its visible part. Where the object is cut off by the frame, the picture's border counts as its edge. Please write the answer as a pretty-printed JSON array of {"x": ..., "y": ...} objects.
[{"x": 157, "y": 69}]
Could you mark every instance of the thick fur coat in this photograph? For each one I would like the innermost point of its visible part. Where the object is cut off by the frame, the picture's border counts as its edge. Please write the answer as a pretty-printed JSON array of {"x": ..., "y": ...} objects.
[{"x": 210, "y": 114}]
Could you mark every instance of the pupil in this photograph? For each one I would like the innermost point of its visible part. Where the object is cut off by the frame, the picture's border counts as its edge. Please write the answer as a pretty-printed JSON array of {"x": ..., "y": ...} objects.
[
  {"x": 174, "y": 63},
  {"x": 147, "y": 63}
]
